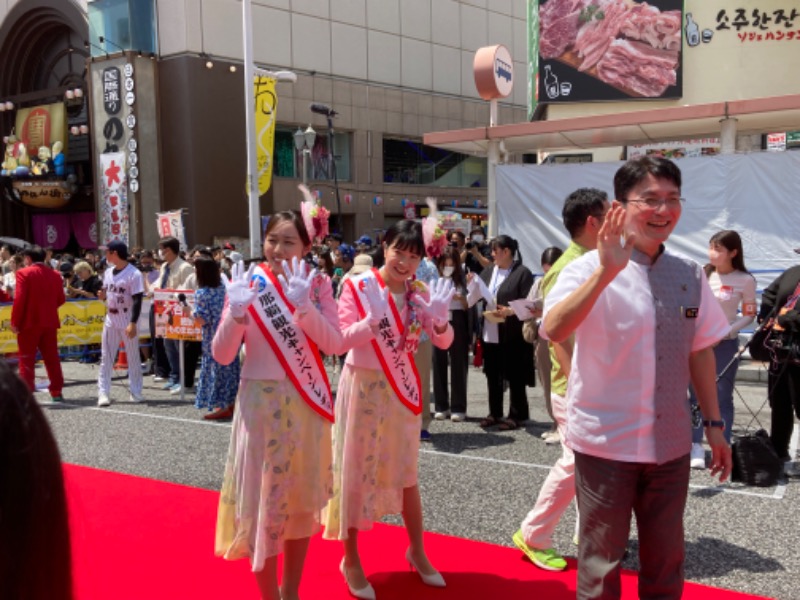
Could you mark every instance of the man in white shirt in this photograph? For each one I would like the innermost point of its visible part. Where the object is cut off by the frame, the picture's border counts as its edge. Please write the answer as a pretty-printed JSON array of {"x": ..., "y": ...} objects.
[
  {"x": 175, "y": 275},
  {"x": 645, "y": 322}
]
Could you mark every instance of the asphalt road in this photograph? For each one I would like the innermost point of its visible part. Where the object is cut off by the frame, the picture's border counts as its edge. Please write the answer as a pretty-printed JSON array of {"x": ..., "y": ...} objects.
[{"x": 475, "y": 484}]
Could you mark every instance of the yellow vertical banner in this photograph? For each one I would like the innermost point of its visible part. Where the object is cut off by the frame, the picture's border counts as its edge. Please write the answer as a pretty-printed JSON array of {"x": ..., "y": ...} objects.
[{"x": 266, "y": 107}]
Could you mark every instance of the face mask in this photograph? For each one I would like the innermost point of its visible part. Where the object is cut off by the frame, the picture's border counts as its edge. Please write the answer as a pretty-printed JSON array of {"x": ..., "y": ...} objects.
[
  {"x": 448, "y": 271},
  {"x": 161, "y": 255},
  {"x": 478, "y": 239}
]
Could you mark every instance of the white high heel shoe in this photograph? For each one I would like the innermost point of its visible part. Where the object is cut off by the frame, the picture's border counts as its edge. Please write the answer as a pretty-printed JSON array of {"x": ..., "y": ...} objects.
[
  {"x": 435, "y": 579},
  {"x": 365, "y": 593}
]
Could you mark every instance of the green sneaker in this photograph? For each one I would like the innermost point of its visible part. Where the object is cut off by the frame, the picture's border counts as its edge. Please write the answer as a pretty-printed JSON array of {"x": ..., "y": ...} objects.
[
  {"x": 549, "y": 559},
  {"x": 58, "y": 398}
]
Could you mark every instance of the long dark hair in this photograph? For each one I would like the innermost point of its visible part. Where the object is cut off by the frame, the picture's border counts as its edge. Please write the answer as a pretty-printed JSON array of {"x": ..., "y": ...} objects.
[
  {"x": 730, "y": 240},
  {"x": 458, "y": 272},
  {"x": 207, "y": 270},
  {"x": 406, "y": 235},
  {"x": 506, "y": 242},
  {"x": 295, "y": 219},
  {"x": 551, "y": 255},
  {"x": 33, "y": 504}
]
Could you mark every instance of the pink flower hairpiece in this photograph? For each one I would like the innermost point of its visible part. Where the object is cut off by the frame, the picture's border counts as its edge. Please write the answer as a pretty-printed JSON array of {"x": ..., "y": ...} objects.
[
  {"x": 433, "y": 235},
  {"x": 315, "y": 216}
]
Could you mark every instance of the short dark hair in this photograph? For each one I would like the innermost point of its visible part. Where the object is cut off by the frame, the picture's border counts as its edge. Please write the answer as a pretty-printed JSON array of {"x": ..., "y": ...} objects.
[
  {"x": 579, "y": 206},
  {"x": 635, "y": 170},
  {"x": 337, "y": 237},
  {"x": 458, "y": 233},
  {"x": 35, "y": 253},
  {"x": 170, "y": 242},
  {"x": 207, "y": 270},
  {"x": 295, "y": 219},
  {"x": 32, "y": 499},
  {"x": 406, "y": 235}
]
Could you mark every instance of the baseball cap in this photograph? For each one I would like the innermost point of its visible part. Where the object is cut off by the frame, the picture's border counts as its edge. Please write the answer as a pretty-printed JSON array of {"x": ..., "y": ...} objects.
[
  {"x": 66, "y": 268},
  {"x": 119, "y": 247},
  {"x": 347, "y": 251},
  {"x": 364, "y": 239}
]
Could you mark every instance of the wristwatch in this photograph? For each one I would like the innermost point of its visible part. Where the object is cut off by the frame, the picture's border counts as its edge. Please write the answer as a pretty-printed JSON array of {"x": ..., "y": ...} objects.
[{"x": 717, "y": 424}]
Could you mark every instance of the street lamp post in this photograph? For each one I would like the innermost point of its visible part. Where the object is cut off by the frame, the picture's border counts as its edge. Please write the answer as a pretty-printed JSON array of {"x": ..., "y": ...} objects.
[{"x": 304, "y": 142}]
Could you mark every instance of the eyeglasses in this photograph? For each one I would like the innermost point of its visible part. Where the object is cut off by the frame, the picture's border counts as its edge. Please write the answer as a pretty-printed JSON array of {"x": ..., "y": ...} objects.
[{"x": 654, "y": 203}]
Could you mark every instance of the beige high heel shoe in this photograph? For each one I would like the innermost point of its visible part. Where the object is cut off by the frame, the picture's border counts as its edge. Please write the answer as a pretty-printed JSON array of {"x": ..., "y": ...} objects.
[
  {"x": 435, "y": 579},
  {"x": 365, "y": 593}
]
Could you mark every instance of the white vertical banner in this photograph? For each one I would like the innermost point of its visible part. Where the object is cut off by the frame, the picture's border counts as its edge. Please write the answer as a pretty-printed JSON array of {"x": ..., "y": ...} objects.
[
  {"x": 114, "y": 216},
  {"x": 170, "y": 224}
]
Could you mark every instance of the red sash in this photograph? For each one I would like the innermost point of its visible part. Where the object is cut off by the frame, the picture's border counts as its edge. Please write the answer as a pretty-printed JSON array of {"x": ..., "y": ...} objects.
[
  {"x": 398, "y": 365},
  {"x": 296, "y": 352}
]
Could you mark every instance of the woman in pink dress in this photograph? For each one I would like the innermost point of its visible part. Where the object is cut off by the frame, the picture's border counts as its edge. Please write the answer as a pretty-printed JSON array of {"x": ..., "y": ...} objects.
[
  {"x": 278, "y": 476},
  {"x": 379, "y": 401}
]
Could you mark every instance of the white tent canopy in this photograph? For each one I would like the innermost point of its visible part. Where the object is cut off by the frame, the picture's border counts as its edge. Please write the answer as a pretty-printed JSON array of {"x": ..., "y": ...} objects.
[{"x": 756, "y": 194}]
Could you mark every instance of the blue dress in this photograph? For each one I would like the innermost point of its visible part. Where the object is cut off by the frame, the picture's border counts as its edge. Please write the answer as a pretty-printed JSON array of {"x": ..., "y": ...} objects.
[{"x": 218, "y": 384}]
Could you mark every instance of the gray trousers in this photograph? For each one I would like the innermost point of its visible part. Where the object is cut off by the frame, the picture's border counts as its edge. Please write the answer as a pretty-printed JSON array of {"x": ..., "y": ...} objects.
[{"x": 608, "y": 492}]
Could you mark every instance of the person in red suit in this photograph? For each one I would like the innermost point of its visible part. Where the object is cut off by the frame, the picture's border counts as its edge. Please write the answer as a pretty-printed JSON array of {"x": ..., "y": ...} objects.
[{"x": 35, "y": 320}]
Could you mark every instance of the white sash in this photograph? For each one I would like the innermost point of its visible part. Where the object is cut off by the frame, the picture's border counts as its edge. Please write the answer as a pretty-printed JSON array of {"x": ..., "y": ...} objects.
[
  {"x": 398, "y": 365},
  {"x": 297, "y": 353}
]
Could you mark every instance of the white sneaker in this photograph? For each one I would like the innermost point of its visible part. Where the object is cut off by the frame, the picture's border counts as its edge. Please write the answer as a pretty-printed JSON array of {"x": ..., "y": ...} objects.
[
  {"x": 697, "y": 457},
  {"x": 176, "y": 389},
  {"x": 553, "y": 439},
  {"x": 103, "y": 401},
  {"x": 458, "y": 417},
  {"x": 157, "y": 378},
  {"x": 548, "y": 433},
  {"x": 441, "y": 416},
  {"x": 135, "y": 397}
]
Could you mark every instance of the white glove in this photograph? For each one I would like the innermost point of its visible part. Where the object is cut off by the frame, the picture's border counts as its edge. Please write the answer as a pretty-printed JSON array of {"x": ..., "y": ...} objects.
[
  {"x": 377, "y": 300},
  {"x": 240, "y": 294},
  {"x": 438, "y": 306},
  {"x": 297, "y": 282}
]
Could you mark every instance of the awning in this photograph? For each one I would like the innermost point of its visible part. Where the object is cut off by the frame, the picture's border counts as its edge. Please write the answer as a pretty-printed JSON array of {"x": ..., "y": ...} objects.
[{"x": 754, "y": 116}]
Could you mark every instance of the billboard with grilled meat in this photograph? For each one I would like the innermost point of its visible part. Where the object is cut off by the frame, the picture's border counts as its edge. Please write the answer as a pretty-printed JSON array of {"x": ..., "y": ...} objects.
[{"x": 593, "y": 50}]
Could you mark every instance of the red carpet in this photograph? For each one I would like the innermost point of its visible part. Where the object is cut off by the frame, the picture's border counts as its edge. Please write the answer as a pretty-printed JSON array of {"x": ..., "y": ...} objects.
[{"x": 136, "y": 538}]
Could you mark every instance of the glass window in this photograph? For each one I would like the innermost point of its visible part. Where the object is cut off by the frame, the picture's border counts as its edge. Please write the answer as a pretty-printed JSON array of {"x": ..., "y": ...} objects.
[
  {"x": 289, "y": 160},
  {"x": 123, "y": 25},
  {"x": 411, "y": 162}
]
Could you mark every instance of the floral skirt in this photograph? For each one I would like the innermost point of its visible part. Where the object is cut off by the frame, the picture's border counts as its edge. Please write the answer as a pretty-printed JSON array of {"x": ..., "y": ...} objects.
[
  {"x": 375, "y": 448},
  {"x": 278, "y": 475}
]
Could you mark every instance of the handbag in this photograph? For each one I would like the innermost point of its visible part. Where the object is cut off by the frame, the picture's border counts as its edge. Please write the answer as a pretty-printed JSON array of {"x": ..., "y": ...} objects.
[
  {"x": 755, "y": 461},
  {"x": 759, "y": 345},
  {"x": 530, "y": 331}
]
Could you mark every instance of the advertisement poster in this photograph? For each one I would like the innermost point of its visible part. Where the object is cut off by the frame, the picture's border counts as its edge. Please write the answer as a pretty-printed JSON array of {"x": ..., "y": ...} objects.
[
  {"x": 593, "y": 50},
  {"x": 42, "y": 126},
  {"x": 672, "y": 150},
  {"x": 173, "y": 314}
]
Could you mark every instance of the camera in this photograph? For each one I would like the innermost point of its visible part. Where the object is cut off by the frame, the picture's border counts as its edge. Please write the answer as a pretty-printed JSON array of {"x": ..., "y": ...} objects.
[{"x": 469, "y": 245}]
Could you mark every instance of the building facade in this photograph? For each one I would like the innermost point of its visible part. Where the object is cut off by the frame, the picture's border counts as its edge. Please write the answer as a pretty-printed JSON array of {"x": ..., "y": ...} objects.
[{"x": 391, "y": 69}]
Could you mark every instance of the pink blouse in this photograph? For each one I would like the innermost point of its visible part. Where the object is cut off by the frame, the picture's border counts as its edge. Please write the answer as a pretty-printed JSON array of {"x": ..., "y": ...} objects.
[
  {"x": 321, "y": 326},
  {"x": 358, "y": 334}
]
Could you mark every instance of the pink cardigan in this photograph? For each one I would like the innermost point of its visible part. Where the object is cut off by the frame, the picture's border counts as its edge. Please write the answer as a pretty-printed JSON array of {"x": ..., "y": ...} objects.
[
  {"x": 322, "y": 326},
  {"x": 358, "y": 334}
]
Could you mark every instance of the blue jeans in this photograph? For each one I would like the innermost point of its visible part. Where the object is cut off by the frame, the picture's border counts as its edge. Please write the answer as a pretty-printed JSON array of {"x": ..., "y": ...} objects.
[
  {"x": 174, "y": 359},
  {"x": 723, "y": 353}
]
